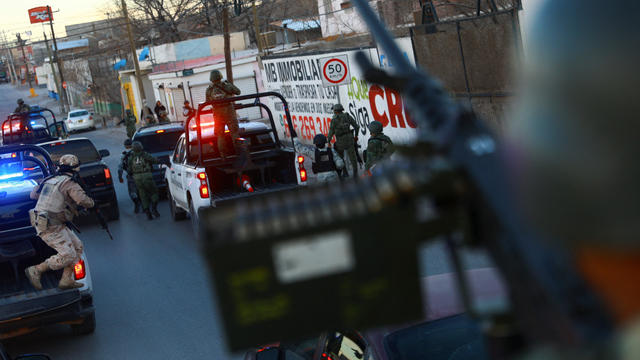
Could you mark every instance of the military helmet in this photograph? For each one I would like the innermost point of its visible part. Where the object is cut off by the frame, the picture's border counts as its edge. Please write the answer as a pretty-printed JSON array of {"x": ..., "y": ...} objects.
[
  {"x": 20, "y": 101},
  {"x": 137, "y": 146},
  {"x": 128, "y": 142},
  {"x": 215, "y": 75},
  {"x": 68, "y": 162},
  {"x": 375, "y": 127},
  {"x": 320, "y": 140},
  {"x": 337, "y": 107}
]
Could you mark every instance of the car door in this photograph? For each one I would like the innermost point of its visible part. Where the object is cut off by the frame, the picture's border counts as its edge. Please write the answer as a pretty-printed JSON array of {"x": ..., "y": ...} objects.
[{"x": 176, "y": 170}]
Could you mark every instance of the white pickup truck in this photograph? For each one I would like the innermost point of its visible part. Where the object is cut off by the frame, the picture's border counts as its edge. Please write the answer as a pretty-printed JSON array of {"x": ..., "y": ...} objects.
[{"x": 198, "y": 178}]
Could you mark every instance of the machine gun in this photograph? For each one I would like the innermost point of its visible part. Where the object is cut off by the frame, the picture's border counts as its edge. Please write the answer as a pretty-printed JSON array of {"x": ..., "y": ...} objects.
[
  {"x": 95, "y": 210},
  {"x": 452, "y": 184}
]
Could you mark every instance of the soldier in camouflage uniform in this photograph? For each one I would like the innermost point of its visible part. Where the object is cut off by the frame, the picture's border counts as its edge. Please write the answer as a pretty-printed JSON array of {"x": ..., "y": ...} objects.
[
  {"x": 22, "y": 107},
  {"x": 58, "y": 198},
  {"x": 379, "y": 146},
  {"x": 131, "y": 185},
  {"x": 163, "y": 118},
  {"x": 140, "y": 166},
  {"x": 130, "y": 123},
  {"x": 341, "y": 125},
  {"x": 223, "y": 114}
]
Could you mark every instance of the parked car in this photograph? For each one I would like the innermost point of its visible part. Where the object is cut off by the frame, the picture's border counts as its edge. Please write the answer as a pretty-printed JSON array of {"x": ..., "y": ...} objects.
[
  {"x": 93, "y": 171},
  {"x": 80, "y": 120}
]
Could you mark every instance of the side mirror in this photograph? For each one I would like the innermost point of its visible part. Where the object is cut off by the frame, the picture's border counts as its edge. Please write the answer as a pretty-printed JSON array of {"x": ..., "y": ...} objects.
[
  {"x": 33, "y": 357},
  {"x": 104, "y": 153},
  {"x": 64, "y": 118},
  {"x": 347, "y": 346}
]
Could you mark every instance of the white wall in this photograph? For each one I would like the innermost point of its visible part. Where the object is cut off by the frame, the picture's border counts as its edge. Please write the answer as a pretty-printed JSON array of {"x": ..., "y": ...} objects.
[{"x": 338, "y": 21}]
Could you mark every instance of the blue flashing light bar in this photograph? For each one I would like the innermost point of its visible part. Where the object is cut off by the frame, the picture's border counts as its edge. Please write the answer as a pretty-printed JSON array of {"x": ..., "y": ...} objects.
[{"x": 11, "y": 176}]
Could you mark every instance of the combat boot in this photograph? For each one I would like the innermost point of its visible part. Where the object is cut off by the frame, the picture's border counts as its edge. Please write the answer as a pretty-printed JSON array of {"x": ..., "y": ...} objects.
[
  {"x": 34, "y": 274},
  {"x": 149, "y": 215},
  {"x": 67, "y": 281},
  {"x": 154, "y": 209},
  {"x": 138, "y": 206}
]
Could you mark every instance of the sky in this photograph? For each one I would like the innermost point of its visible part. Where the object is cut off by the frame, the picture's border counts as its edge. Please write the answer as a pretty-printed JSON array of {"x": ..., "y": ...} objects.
[{"x": 14, "y": 16}]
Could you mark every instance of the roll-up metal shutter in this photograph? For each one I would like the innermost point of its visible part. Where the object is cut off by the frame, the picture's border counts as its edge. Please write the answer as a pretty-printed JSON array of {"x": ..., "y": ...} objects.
[
  {"x": 247, "y": 86},
  {"x": 178, "y": 103},
  {"x": 198, "y": 94}
]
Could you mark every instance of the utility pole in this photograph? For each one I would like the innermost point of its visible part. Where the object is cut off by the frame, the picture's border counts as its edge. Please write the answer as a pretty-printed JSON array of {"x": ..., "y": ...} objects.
[
  {"x": 257, "y": 28},
  {"x": 63, "y": 93},
  {"x": 26, "y": 65},
  {"x": 55, "y": 76},
  {"x": 12, "y": 68},
  {"x": 227, "y": 45},
  {"x": 135, "y": 60}
]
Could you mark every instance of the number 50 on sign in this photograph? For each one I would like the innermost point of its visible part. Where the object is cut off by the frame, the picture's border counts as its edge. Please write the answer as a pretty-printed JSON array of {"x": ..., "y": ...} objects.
[{"x": 335, "y": 70}]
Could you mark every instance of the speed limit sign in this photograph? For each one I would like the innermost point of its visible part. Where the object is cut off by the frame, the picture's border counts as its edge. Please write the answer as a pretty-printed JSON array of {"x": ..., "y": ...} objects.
[{"x": 335, "y": 70}]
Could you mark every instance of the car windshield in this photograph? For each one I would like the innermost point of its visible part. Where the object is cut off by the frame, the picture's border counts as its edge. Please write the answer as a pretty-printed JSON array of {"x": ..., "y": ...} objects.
[
  {"x": 158, "y": 142},
  {"x": 83, "y": 149},
  {"x": 79, "y": 113},
  {"x": 453, "y": 338}
]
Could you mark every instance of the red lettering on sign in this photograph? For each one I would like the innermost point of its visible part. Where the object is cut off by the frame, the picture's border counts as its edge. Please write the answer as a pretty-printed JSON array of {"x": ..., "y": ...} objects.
[
  {"x": 394, "y": 104},
  {"x": 395, "y": 113},
  {"x": 375, "y": 91}
]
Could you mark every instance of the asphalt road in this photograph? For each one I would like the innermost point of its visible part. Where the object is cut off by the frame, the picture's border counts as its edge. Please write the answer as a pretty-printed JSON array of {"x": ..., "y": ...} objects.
[{"x": 151, "y": 292}]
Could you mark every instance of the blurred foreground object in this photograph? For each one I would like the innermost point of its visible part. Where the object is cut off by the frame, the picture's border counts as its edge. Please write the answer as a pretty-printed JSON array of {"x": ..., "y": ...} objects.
[{"x": 572, "y": 158}]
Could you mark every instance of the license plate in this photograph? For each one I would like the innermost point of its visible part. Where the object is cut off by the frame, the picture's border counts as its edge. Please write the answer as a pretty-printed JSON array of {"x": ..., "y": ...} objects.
[{"x": 79, "y": 121}]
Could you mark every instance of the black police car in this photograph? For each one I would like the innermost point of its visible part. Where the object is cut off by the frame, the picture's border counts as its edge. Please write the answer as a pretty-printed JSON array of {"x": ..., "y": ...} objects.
[
  {"x": 93, "y": 171},
  {"x": 159, "y": 141}
]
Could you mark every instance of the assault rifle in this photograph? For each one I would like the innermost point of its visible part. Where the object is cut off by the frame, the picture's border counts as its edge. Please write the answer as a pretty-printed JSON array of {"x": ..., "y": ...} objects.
[{"x": 95, "y": 210}]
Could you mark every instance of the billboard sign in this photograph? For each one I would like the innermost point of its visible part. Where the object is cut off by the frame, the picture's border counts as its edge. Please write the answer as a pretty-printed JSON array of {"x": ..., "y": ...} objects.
[{"x": 39, "y": 14}]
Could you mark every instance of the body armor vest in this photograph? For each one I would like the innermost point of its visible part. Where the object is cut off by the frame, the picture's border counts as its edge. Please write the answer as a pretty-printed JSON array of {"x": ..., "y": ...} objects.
[
  {"x": 139, "y": 164},
  {"x": 323, "y": 161},
  {"x": 51, "y": 199}
]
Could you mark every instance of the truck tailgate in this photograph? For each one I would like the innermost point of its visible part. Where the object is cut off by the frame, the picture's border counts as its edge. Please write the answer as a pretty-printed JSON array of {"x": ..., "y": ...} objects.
[
  {"x": 23, "y": 300},
  {"x": 225, "y": 197}
]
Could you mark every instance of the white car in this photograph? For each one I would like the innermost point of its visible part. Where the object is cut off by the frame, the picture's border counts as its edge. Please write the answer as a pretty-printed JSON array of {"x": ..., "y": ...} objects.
[{"x": 79, "y": 120}]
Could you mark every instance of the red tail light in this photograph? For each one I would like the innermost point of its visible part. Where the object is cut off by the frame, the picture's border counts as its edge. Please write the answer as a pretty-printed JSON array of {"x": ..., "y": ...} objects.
[
  {"x": 300, "y": 159},
  {"x": 159, "y": 131},
  {"x": 107, "y": 175},
  {"x": 204, "y": 187},
  {"x": 303, "y": 174},
  {"x": 79, "y": 270}
]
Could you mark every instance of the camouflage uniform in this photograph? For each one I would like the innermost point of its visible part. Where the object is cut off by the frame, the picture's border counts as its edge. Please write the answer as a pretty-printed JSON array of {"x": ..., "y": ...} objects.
[
  {"x": 163, "y": 118},
  {"x": 131, "y": 185},
  {"x": 58, "y": 198},
  {"x": 22, "y": 107},
  {"x": 341, "y": 125},
  {"x": 140, "y": 166},
  {"x": 130, "y": 123},
  {"x": 379, "y": 146},
  {"x": 223, "y": 114},
  {"x": 310, "y": 152}
]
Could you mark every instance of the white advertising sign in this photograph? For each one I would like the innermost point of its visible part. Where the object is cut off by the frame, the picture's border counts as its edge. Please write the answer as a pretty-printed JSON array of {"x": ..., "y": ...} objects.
[{"x": 299, "y": 79}]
